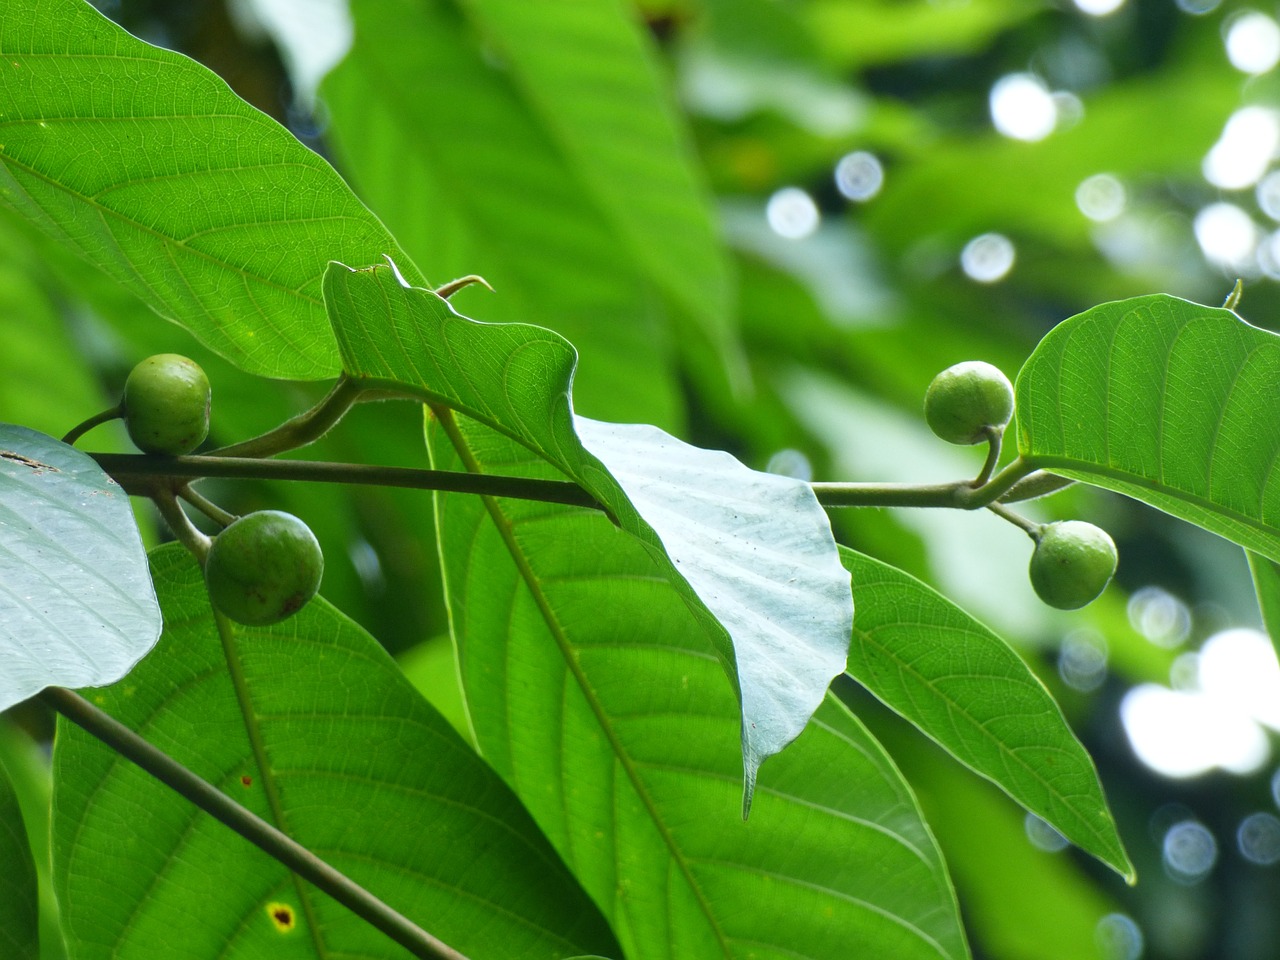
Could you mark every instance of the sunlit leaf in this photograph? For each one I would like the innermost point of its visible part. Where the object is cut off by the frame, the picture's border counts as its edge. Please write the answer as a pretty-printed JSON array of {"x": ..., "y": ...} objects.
[
  {"x": 105, "y": 141},
  {"x": 1166, "y": 401},
  {"x": 76, "y": 604},
  {"x": 965, "y": 688},
  {"x": 516, "y": 378},
  {"x": 319, "y": 733},
  {"x": 598, "y": 697}
]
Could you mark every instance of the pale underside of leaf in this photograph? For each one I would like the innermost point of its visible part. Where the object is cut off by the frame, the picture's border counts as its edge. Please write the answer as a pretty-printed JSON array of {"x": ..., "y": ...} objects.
[
  {"x": 316, "y": 731},
  {"x": 594, "y": 691},
  {"x": 517, "y": 378},
  {"x": 76, "y": 604}
]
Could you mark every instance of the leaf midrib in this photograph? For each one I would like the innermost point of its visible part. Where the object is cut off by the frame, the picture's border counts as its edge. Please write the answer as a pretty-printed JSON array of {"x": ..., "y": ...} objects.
[{"x": 506, "y": 531}]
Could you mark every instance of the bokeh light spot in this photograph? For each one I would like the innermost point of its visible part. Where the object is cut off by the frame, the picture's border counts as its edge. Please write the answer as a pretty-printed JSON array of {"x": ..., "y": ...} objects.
[
  {"x": 1101, "y": 197},
  {"x": 1226, "y": 234},
  {"x": 1022, "y": 107},
  {"x": 1189, "y": 852},
  {"x": 1119, "y": 938},
  {"x": 987, "y": 258},
  {"x": 1258, "y": 837},
  {"x": 1253, "y": 42},
  {"x": 792, "y": 213},
  {"x": 859, "y": 176}
]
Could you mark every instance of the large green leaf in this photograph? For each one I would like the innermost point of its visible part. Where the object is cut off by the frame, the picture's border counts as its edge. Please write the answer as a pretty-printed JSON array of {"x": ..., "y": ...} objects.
[
  {"x": 1168, "y": 402},
  {"x": 149, "y": 166},
  {"x": 472, "y": 182},
  {"x": 19, "y": 899},
  {"x": 596, "y": 694},
  {"x": 751, "y": 553},
  {"x": 316, "y": 730},
  {"x": 965, "y": 688},
  {"x": 76, "y": 605},
  {"x": 591, "y": 77}
]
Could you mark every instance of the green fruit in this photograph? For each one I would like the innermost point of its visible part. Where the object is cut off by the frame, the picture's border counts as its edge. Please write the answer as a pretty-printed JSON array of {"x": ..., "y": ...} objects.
[
  {"x": 1072, "y": 563},
  {"x": 964, "y": 400},
  {"x": 166, "y": 404},
  {"x": 263, "y": 568}
]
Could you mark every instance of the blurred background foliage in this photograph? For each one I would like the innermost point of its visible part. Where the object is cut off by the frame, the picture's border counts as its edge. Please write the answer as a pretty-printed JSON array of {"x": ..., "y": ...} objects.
[{"x": 766, "y": 224}]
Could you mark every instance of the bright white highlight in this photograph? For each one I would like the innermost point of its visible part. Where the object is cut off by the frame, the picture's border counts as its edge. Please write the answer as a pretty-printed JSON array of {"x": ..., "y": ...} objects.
[
  {"x": 987, "y": 258},
  {"x": 1022, "y": 107},
  {"x": 1183, "y": 734},
  {"x": 1268, "y": 194},
  {"x": 1253, "y": 42},
  {"x": 1239, "y": 667},
  {"x": 1246, "y": 148},
  {"x": 1099, "y": 8},
  {"x": 1226, "y": 235},
  {"x": 1101, "y": 197},
  {"x": 1230, "y": 690},
  {"x": 859, "y": 176},
  {"x": 792, "y": 213}
]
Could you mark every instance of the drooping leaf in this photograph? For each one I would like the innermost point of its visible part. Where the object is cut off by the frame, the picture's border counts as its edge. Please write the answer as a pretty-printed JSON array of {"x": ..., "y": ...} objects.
[
  {"x": 76, "y": 604},
  {"x": 1266, "y": 586},
  {"x": 516, "y": 379},
  {"x": 19, "y": 893},
  {"x": 320, "y": 734},
  {"x": 1169, "y": 402},
  {"x": 107, "y": 140},
  {"x": 472, "y": 182},
  {"x": 595, "y": 693},
  {"x": 966, "y": 689},
  {"x": 607, "y": 109}
]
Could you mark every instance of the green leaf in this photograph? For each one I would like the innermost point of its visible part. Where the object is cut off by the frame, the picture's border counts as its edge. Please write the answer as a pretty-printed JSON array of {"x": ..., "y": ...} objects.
[
  {"x": 778, "y": 611},
  {"x": 595, "y": 693},
  {"x": 19, "y": 893},
  {"x": 315, "y": 730},
  {"x": 76, "y": 605},
  {"x": 105, "y": 142},
  {"x": 607, "y": 108},
  {"x": 1168, "y": 402},
  {"x": 967, "y": 690},
  {"x": 473, "y": 183},
  {"x": 1266, "y": 586}
]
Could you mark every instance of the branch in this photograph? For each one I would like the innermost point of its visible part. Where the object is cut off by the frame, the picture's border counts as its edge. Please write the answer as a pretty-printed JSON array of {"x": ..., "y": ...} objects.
[
  {"x": 257, "y": 831},
  {"x": 140, "y": 473}
]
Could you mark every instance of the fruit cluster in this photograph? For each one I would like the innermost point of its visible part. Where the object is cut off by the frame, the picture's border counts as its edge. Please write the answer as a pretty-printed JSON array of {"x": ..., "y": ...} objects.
[
  {"x": 264, "y": 566},
  {"x": 1073, "y": 561}
]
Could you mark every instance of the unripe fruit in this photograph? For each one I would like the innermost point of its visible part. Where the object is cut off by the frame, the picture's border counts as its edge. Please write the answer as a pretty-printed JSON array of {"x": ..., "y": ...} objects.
[
  {"x": 166, "y": 404},
  {"x": 964, "y": 400},
  {"x": 1072, "y": 563},
  {"x": 263, "y": 568}
]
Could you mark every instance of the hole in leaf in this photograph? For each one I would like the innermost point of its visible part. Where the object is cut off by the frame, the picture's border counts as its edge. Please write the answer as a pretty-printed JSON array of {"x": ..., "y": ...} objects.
[{"x": 282, "y": 916}]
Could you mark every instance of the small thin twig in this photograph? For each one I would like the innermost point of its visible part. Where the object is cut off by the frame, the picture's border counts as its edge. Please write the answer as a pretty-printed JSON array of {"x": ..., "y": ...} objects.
[
  {"x": 206, "y": 506},
  {"x": 80, "y": 429},
  {"x": 303, "y": 429},
  {"x": 257, "y": 831},
  {"x": 994, "y": 437},
  {"x": 1032, "y": 529},
  {"x": 191, "y": 538}
]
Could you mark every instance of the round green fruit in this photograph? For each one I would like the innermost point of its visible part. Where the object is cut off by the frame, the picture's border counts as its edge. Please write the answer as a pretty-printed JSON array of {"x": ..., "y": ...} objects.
[
  {"x": 965, "y": 400},
  {"x": 263, "y": 568},
  {"x": 1072, "y": 564},
  {"x": 166, "y": 404}
]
